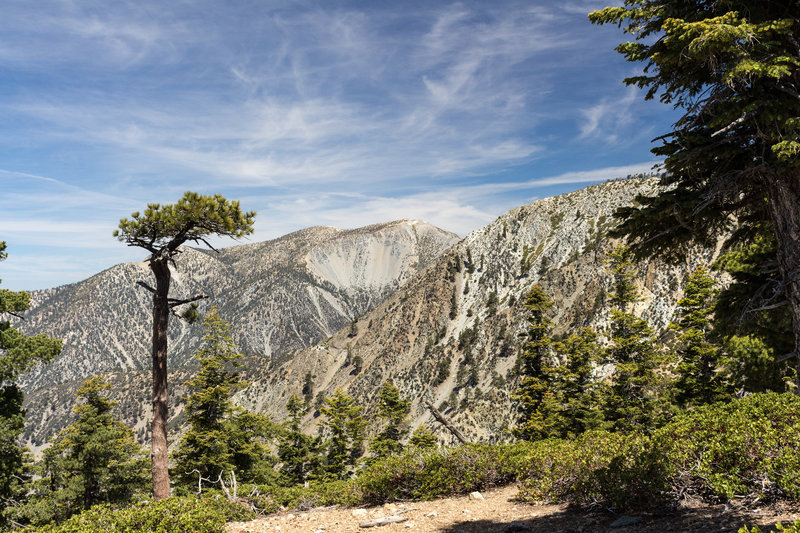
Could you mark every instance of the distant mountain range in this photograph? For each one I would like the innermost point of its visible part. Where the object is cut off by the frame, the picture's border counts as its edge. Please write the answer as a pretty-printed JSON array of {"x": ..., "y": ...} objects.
[
  {"x": 279, "y": 295},
  {"x": 439, "y": 316}
]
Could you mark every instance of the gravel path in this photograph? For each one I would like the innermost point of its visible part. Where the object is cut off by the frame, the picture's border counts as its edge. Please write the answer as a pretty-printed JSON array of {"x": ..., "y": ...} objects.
[{"x": 498, "y": 512}]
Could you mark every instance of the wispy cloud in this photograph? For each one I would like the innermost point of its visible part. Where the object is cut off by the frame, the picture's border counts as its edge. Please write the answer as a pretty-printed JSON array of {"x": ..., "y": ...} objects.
[{"x": 310, "y": 112}]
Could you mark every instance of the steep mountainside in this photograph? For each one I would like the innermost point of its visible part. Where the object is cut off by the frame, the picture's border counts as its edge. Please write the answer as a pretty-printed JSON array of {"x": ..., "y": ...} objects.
[
  {"x": 280, "y": 296},
  {"x": 451, "y": 334}
]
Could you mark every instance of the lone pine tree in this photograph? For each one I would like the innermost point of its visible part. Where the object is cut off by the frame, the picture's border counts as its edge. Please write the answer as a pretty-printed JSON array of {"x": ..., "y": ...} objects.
[
  {"x": 18, "y": 354},
  {"x": 161, "y": 230}
]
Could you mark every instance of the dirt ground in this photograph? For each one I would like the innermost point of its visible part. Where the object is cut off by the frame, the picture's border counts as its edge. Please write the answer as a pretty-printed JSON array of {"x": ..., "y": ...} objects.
[{"x": 498, "y": 512}]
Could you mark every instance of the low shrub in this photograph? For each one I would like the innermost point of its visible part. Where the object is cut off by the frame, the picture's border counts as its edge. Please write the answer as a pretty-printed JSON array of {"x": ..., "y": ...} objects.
[
  {"x": 779, "y": 528},
  {"x": 172, "y": 515},
  {"x": 747, "y": 447},
  {"x": 427, "y": 474}
]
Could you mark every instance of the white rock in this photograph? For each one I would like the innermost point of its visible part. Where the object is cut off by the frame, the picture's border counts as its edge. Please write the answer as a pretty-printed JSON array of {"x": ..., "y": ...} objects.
[
  {"x": 359, "y": 512},
  {"x": 476, "y": 496}
]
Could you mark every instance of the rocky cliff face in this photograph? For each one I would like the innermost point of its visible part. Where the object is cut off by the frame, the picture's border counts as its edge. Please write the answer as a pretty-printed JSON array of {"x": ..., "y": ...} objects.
[
  {"x": 451, "y": 333},
  {"x": 280, "y": 296}
]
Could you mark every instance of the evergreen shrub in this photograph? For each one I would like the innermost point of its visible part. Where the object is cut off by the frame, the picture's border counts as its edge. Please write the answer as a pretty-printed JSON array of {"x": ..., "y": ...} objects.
[{"x": 172, "y": 515}]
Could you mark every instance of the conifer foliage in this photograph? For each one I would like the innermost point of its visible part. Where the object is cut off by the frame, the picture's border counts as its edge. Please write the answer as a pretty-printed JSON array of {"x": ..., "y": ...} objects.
[
  {"x": 733, "y": 69},
  {"x": 536, "y": 396},
  {"x": 345, "y": 425},
  {"x": 18, "y": 354},
  {"x": 393, "y": 409},
  {"x": 221, "y": 438},
  {"x": 634, "y": 399},
  {"x": 699, "y": 374},
  {"x": 298, "y": 452},
  {"x": 94, "y": 460}
]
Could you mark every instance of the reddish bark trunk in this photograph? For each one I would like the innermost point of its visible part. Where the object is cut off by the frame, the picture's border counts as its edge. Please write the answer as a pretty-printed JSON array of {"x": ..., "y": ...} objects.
[
  {"x": 784, "y": 202},
  {"x": 159, "y": 425}
]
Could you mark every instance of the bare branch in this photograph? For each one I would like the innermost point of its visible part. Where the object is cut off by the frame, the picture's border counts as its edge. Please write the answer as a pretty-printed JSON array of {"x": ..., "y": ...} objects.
[
  {"x": 174, "y": 302},
  {"x": 146, "y": 286},
  {"x": 768, "y": 307},
  {"x": 786, "y": 357}
]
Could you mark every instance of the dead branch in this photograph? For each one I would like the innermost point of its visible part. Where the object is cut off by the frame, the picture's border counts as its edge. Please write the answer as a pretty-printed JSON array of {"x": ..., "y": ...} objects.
[{"x": 445, "y": 422}]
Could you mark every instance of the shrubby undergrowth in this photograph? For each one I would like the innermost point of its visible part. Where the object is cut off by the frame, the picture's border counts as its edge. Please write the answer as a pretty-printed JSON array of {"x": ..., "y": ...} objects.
[
  {"x": 745, "y": 448},
  {"x": 172, "y": 515}
]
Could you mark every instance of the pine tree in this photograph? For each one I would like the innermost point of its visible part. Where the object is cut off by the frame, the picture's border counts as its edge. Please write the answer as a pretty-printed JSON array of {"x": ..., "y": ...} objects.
[
  {"x": 221, "y": 437},
  {"x": 299, "y": 453},
  {"x": 634, "y": 399},
  {"x": 393, "y": 409},
  {"x": 733, "y": 69},
  {"x": 422, "y": 438},
  {"x": 94, "y": 460},
  {"x": 535, "y": 396},
  {"x": 162, "y": 230},
  {"x": 18, "y": 354},
  {"x": 700, "y": 380},
  {"x": 345, "y": 426},
  {"x": 580, "y": 408}
]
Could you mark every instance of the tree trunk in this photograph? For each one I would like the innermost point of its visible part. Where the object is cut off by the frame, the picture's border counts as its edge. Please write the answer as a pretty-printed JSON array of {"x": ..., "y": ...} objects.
[
  {"x": 784, "y": 202},
  {"x": 159, "y": 458}
]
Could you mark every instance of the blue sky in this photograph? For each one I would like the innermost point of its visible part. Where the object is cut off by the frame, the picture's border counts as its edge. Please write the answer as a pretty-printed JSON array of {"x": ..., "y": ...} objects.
[{"x": 309, "y": 112}]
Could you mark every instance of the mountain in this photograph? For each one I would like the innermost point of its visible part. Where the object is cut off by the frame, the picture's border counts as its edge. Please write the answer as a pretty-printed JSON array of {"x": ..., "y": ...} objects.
[
  {"x": 451, "y": 335},
  {"x": 280, "y": 296}
]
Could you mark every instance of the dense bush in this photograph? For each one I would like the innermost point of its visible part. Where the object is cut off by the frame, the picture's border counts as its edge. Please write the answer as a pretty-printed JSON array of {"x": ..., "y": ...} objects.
[
  {"x": 172, "y": 515},
  {"x": 779, "y": 528},
  {"x": 427, "y": 474},
  {"x": 746, "y": 447}
]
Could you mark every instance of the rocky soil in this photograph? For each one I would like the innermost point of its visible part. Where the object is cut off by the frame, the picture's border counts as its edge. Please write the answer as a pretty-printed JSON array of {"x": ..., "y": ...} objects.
[{"x": 498, "y": 512}]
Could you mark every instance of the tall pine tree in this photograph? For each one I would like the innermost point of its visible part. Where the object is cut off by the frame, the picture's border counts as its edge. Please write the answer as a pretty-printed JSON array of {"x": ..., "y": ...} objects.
[
  {"x": 699, "y": 374},
  {"x": 345, "y": 426},
  {"x": 635, "y": 398},
  {"x": 221, "y": 437}
]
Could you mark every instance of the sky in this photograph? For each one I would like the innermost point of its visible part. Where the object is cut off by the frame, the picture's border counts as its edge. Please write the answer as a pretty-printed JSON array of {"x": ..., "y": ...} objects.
[{"x": 311, "y": 113}]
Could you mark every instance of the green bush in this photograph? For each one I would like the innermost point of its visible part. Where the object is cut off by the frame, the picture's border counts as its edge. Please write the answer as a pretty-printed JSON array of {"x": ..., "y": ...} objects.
[
  {"x": 427, "y": 474},
  {"x": 779, "y": 528},
  {"x": 172, "y": 515},
  {"x": 744, "y": 447},
  {"x": 271, "y": 498},
  {"x": 614, "y": 468}
]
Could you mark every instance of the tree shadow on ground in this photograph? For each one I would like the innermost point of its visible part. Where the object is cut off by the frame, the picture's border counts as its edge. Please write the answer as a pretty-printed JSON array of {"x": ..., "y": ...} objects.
[{"x": 573, "y": 520}]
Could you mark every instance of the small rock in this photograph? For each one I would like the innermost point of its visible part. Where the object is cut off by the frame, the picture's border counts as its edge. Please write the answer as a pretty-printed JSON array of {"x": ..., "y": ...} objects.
[
  {"x": 432, "y": 514},
  {"x": 359, "y": 512},
  {"x": 466, "y": 511},
  {"x": 516, "y": 527},
  {"x": 409, "y": 525},
  {"x": 625, "y": 520},
  {"x": 290, "y": 516},
  {"x": 476, "y": 496}
]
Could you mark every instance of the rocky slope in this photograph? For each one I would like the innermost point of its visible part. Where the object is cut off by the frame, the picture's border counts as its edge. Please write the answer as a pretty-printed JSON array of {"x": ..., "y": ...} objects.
[
  {"x": 451, "y": 333},
  {"x": 279, "y": 295}
]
